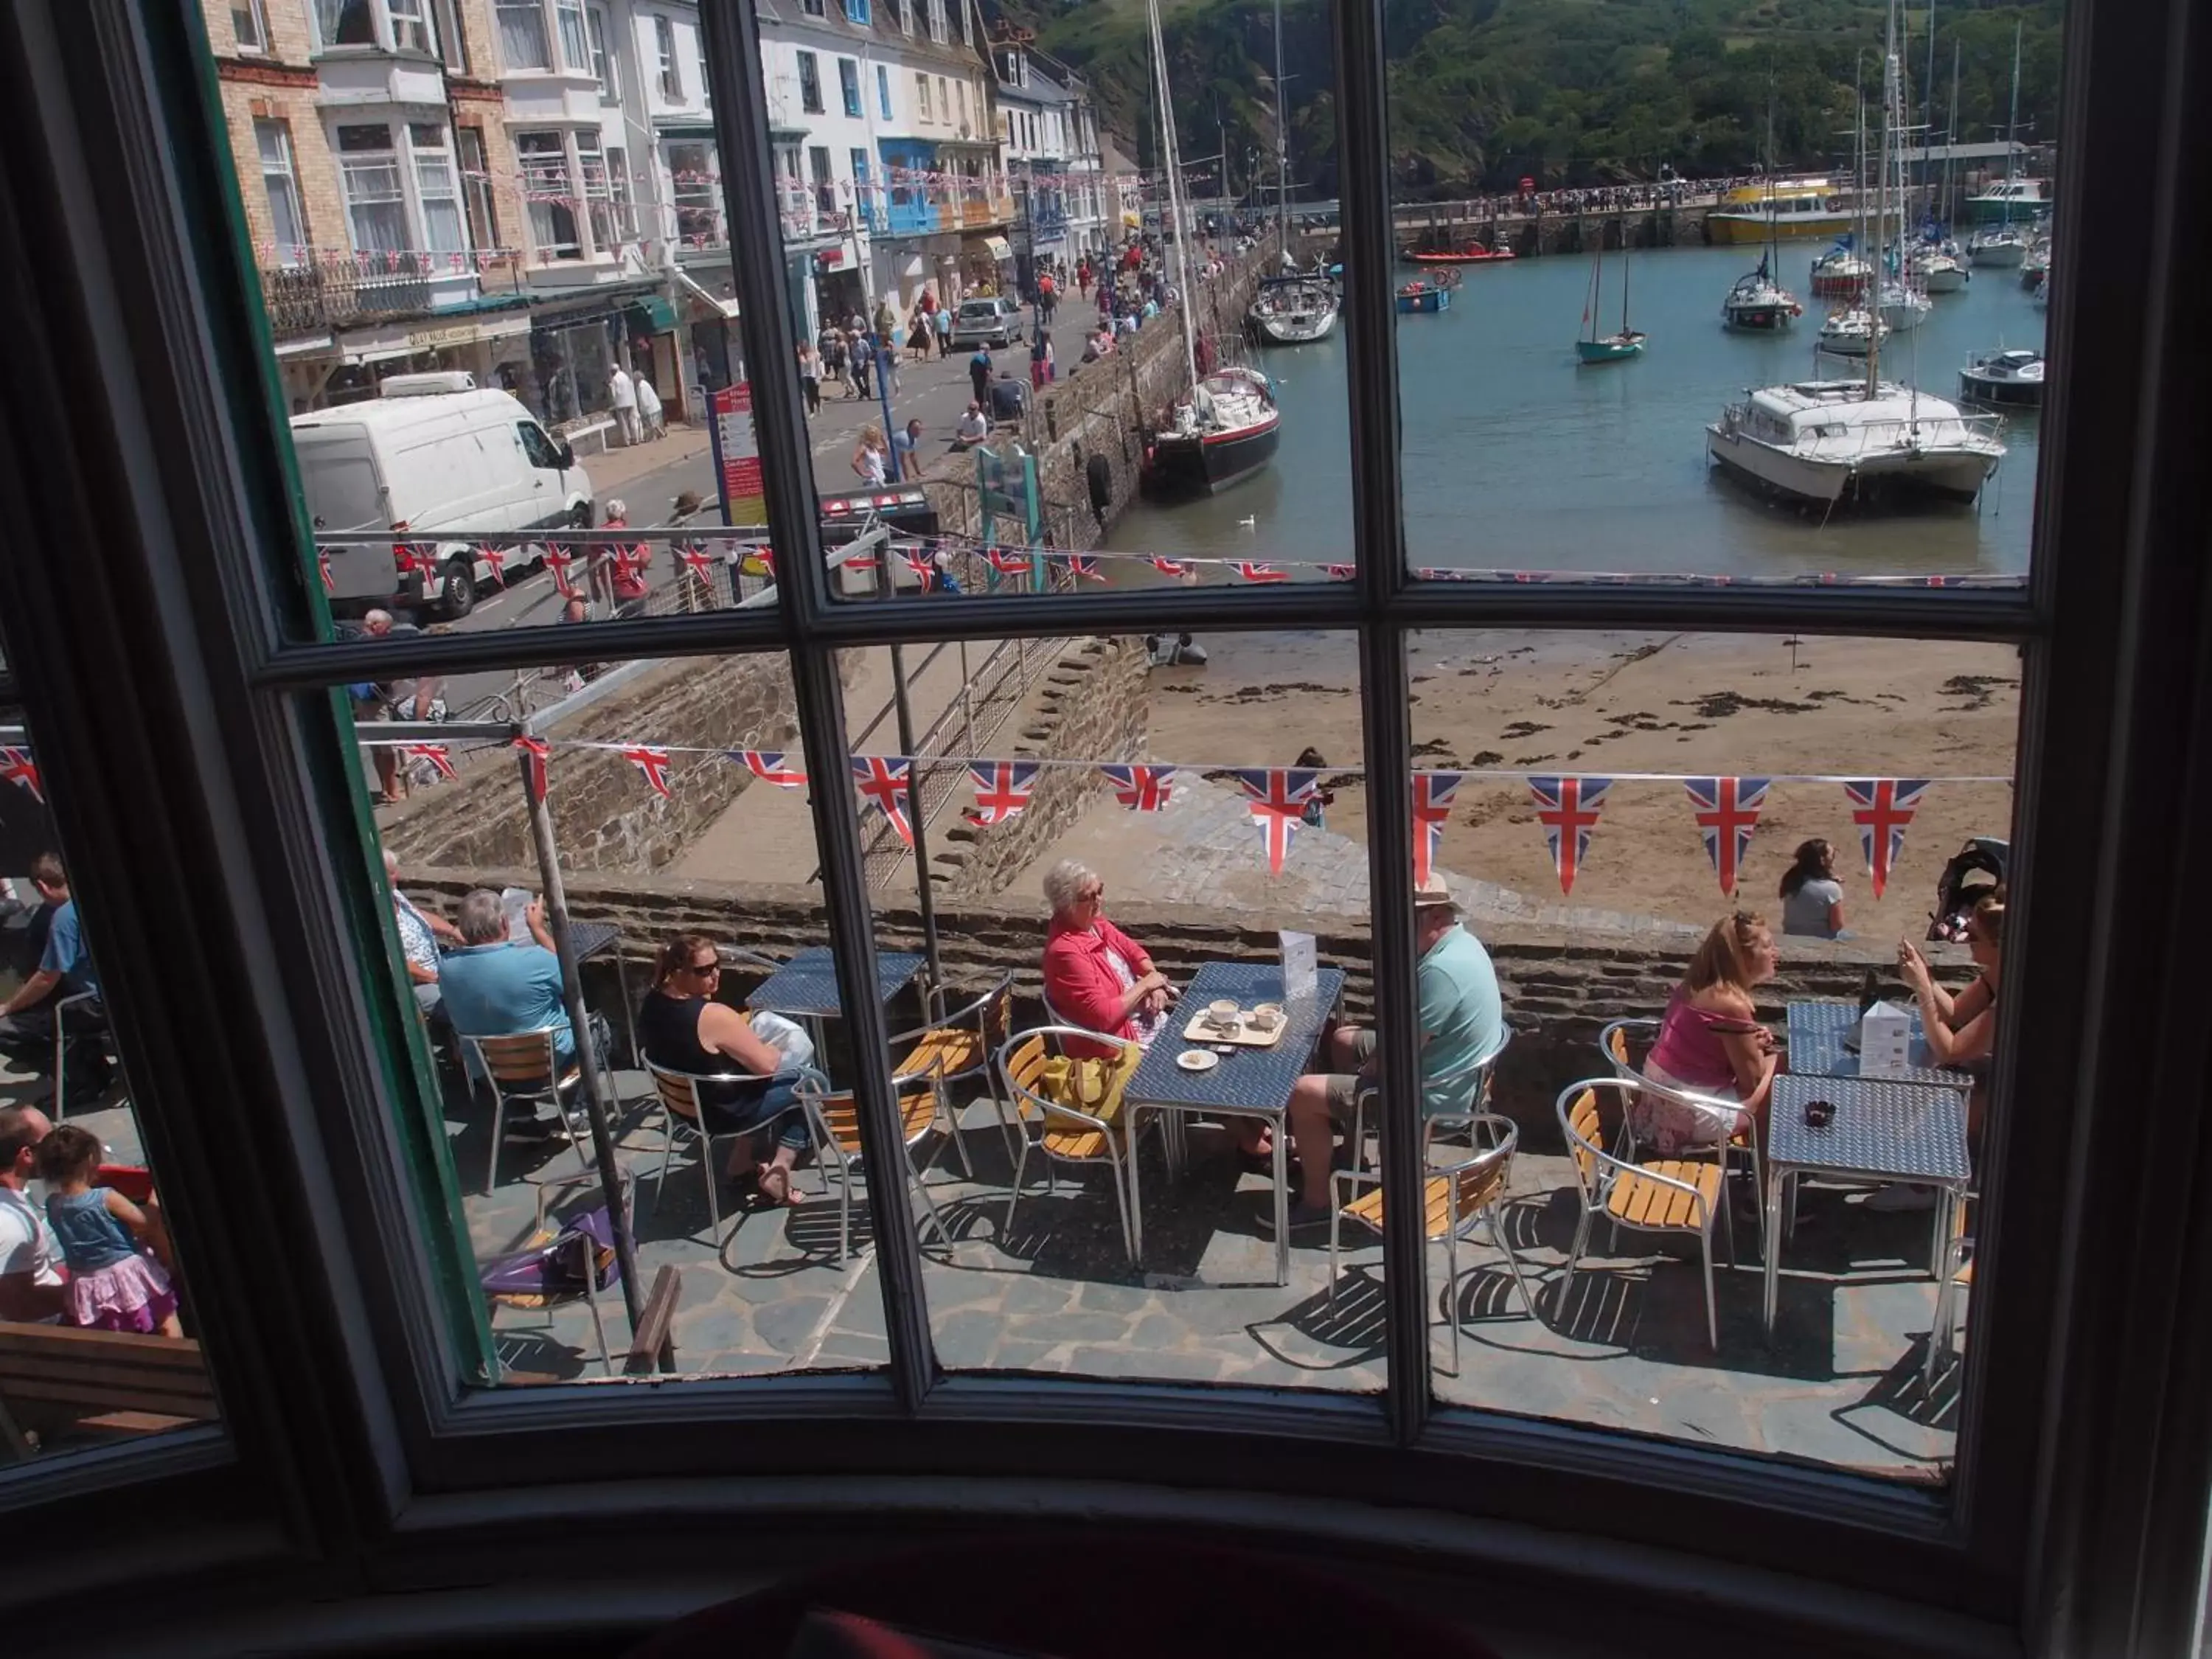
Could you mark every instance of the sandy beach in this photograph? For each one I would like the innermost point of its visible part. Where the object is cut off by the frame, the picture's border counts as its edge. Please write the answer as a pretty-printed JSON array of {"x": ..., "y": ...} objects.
[{"x": 1607, "y": 703}]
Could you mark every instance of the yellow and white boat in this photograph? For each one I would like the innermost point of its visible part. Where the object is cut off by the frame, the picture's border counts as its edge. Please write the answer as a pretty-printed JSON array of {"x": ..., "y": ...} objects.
[{"x": 1789, "y": 209}]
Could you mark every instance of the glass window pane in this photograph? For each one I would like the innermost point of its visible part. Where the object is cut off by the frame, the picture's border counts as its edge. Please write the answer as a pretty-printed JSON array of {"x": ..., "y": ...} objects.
[
  {"x": 653, "y": 770},
  {"x": 1775, "y": 315},
  {"x": 1591, "y": 792},
  {"x": 522, "y": 39},
  {"x": 102, "y": 1342},
  {"x": 1148, "y": 1246}
]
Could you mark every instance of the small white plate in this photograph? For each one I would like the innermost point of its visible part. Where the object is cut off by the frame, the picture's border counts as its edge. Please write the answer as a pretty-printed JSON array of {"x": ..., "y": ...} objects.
[{"x": 1198, "y": 1059}]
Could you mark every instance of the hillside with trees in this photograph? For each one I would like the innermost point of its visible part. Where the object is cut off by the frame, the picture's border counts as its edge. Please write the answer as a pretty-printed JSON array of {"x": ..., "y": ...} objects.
[{"x": 1484, "y": 93}]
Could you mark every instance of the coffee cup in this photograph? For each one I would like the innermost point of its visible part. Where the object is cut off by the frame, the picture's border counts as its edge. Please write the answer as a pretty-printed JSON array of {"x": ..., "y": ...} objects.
[
  {"x": 1223, "y": 1012},
  {"x": 1268, "y": 1016}
]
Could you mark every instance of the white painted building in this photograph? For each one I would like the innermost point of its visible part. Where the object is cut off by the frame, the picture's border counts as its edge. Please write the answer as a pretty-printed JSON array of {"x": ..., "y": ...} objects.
[{"x": 1048, "y": 127}]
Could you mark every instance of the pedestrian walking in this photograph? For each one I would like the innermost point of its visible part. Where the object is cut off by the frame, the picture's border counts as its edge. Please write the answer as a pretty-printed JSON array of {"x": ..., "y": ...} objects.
[
  {"x": 864, "y": 359},
  {"x": 1040, "y": 360},
  {"x": 650, "y": 420},
  {"x": 837, "y": 362},
  {"x": 810, "y": 377},
  {"x": 602, "y": 558},
  {"x": 943, "y": 321},
  {"x": 979, "y": 374},
  {"x": 623, "y": 395},
  {"x": 870, "y": 461}
]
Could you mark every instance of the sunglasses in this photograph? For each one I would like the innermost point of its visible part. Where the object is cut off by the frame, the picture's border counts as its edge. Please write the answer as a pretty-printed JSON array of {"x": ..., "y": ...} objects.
[{"x": 706, "y": 968}]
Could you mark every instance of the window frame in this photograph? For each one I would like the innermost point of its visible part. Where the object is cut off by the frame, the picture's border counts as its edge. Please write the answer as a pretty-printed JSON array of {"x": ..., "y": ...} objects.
[
  {"x": 848, "y": 88},
  {"x": 607, "y": 65},
  {"x": 256, "y": 13},
  {"x": 2061, "y": 1050},
  {"x": 452, "y": 50},
  {"x": 664, "y": 46},
  {"x": 303, "y": 251},
  {"x": 809, "y": 101}
]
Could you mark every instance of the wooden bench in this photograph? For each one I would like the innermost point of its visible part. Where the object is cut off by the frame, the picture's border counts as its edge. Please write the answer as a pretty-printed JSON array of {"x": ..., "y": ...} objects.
[{"x": 54, "y": 1379}]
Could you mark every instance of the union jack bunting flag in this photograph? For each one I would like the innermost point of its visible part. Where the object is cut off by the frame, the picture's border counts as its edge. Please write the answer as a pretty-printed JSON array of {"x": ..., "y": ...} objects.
[
  {"x": 494, "y": 559},
  {"x": 1008, "y": 561},
  {"x": 16, "y": 766},
  {"x": 1085, "y": 568},
  {"x": 1168, "y": 567},
  {"x": 558, "y": 560},
  {"x": 1882, "y": 807},
  {"x": 924, "y": 567},
  {"x": 651, "y": 761},
  {"x": 412, "y": 560},
  {"x": 323, "y": 565},
  {"x": 1341, "y": 573},
  {"x": 635, "y": 558},
  {"x": 696, "y": 560},
  {"x": 1276, "y": 797},
  {"x": 1432, "y": 797},
  {"x": 1569, "y": 808},
  {"x": 881, "y": 779},
  {"x": 437, "y": 754},
  {"x": 1253, "y": 571},
  {"x": 1002, "y": 789},
  {"x": 533, "y": 751},
  {"x": 768, "y": 765},
  {"x": 1728, "y": 812},
  {"x": 1141, "y": 788}
]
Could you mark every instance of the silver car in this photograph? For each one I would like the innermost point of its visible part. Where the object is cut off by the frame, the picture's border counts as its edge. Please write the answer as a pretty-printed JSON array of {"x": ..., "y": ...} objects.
[{"x": 992, "y": 322}]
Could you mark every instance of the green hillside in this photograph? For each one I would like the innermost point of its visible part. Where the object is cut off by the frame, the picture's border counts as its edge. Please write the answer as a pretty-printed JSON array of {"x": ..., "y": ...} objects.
[{"x": 1569, "y": 92}]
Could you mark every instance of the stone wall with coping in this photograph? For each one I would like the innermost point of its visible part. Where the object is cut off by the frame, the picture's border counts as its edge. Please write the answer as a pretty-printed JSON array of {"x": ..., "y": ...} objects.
[
  {"x": 605, "y": 817},
  {"x": 1092, "y": 703},
  {"x": 1559, "y": 988}
]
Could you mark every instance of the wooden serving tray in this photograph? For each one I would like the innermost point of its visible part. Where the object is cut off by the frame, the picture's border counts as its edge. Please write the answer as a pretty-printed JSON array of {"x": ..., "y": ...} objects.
[{"x": 1244, "y": 1036}]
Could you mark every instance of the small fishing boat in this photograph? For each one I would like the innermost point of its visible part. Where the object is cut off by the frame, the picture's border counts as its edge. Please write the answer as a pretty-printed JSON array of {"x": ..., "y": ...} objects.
[
  {"x": 1476, "y": 255},
  {"x": 1417, "y": 298},
  {"x": 2012, "y": 378},
  {"x": 1612, "y": 348}
]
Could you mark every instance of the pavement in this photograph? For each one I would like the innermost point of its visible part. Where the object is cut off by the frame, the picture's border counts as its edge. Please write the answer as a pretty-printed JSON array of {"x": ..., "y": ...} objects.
[{"x": 1046, "y": 1287}]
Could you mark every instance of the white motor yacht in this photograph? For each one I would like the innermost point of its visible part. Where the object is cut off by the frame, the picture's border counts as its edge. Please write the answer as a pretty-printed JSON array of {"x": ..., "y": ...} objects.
[
  {"x": 1829, "y": 442},
  {"x": 2014, "y": 377}
]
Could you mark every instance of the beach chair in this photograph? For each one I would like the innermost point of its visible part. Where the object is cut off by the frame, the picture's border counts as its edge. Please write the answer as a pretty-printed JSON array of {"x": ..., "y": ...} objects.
[{"x": 1058, "y": 1134}]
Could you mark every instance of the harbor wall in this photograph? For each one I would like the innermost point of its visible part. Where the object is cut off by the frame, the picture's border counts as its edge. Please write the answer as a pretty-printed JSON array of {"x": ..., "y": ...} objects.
[{"x": 1101, "y": 409}]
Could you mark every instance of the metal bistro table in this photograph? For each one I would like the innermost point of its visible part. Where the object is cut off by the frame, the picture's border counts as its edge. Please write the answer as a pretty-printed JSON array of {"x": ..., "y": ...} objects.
[
  {"x": 1817, "y": 1047},
  {"x": 1881, "y": 1131},
  {"x": 807, "y": 985},
  {"x": 1246, "y": 1083}
]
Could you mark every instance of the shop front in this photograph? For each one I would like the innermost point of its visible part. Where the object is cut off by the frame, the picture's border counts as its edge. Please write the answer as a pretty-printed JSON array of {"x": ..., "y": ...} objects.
[{"x": 351, "y": 365}]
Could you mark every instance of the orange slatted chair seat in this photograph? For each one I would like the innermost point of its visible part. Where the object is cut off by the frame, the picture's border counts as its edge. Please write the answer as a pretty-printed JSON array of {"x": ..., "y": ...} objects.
[{"x": 1640, "y": 1203}]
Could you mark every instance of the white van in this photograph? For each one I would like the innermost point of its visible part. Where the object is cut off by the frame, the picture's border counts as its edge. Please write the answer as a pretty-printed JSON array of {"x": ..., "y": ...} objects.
[{"x": 436, "y": 456}]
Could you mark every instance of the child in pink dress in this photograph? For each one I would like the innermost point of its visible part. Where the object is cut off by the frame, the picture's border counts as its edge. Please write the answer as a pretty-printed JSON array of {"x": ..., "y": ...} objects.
[{"x": 115, "y": 1285}]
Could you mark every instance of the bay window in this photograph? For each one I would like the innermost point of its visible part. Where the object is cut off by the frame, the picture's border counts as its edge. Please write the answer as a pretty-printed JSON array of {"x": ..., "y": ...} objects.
[
  {"x": 1553, "y": 672},
  {"x": 696, "y": 193},
  {"x": 523, "y": 42},
  {"x": 376, "y": 200},
  {"x": 410, "y": 25},
  {"x": 575, "y": 35}
]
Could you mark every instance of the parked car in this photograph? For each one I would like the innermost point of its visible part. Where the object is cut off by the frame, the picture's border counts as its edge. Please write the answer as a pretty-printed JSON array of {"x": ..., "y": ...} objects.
[
  {"x": 992, "y": 322},
  {"x": 436, "y": 456}
]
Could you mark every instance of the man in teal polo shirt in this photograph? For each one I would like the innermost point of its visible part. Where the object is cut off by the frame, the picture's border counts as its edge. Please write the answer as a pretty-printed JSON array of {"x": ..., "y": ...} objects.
[
  {"x": 1463, "y": 1018},
  {"x": 494, "y": 987}
]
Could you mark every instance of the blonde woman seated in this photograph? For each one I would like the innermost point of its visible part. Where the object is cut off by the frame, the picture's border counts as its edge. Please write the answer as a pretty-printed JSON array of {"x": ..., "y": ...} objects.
[
  {"x": 1095, "y": 975},
  {"x": 1711, "y": 1044}
]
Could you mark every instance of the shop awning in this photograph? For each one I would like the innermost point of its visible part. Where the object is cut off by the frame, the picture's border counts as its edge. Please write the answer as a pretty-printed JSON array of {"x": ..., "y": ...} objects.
[
  {"x": 999, "y": 246},
  {"x": 700, "y": 295},
  {"x": 659, "y": 315}
]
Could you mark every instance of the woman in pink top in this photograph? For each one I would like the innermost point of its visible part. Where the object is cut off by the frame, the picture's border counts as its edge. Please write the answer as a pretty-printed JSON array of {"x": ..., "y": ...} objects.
[
  {"x": 1095, "y": 975},
  {"x": 1711, "y": 1044}
]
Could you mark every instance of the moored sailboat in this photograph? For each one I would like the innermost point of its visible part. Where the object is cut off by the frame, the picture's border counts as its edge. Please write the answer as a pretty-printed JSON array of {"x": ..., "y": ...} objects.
[
  {"x": 1613, "y": 347},
  {"x": 1288, "y": 310}
]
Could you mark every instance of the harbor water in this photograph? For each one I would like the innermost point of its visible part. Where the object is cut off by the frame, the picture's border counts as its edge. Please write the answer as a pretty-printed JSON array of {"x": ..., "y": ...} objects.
[{"x": 1516, "y": 458}]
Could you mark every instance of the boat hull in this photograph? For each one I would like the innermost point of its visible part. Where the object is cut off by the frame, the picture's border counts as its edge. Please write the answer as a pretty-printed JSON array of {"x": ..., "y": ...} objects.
[
  {"x": 2003, "y": 255},
  {"x": 1944, "y": 279},
  {"x": 1788, "y": 476},
  {"x": 1609, "y": 352},
  {"x": 1768, "y": 318},
  {"x": 1458, "y": 257},
  {"x": 1997, "y": 209},
  {"x": 2008, "y": 394},
  {"x": 1205, "y": 465},
  {"x": 1298, "y": 329},
  {"x": 1427, "y": 302}
]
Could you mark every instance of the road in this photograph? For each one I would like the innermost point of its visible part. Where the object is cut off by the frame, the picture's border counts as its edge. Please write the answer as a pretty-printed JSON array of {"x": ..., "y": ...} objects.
[{"x": 934, "y": 391}]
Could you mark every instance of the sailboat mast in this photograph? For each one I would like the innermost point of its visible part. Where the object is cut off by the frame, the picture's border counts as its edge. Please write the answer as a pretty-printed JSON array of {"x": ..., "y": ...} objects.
[
  {"x": 1880, "y": 209},
  {"x": 1185, "y": 300},
  {"x": 2012, "y": 128},
  {"x": 1282, "y": 148},
  {"x": 1950, "y": 141},
  {"x": 1928, "y": 107}
]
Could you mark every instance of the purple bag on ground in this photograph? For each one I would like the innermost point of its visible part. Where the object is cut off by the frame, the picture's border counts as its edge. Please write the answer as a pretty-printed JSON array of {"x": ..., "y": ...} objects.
[{"x": 585, "y": 1245}]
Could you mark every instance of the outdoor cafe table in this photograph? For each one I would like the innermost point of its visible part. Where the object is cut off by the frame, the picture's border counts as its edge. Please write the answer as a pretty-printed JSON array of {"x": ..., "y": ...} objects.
[
  {"x": 1817, "y": 1047},
  {"x": 807, "y": 985},
  {"x": 1246, "y": 1082},
  {"x": 591, "y": 939},
  {"x": 1881, "y": 1130}
]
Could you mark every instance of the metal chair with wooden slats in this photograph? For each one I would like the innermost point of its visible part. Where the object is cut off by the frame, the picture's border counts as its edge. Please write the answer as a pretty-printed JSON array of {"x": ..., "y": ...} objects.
[
  {"x": 677, "y": 1094},
  {"x": 525, "y": 1067},
  {"x": 1456, "y": 1196},
  {"x": 1471, "y": 1083},
  {"x": 1660, "y": 1195},
  {"x": 835, "y": 1114},
  {"x": 956, "y": 1048},
  {"x": 1059, "y": 1133},
  {"x": 1613, "y": 1041}
]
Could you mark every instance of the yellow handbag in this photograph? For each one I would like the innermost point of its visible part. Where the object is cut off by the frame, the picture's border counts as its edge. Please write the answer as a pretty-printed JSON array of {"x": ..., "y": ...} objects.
[{"x": 1093, "y": 1087}]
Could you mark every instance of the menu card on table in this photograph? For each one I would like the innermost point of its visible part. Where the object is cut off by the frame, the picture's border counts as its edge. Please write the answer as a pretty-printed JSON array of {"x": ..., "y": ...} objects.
[{"x": 1298, "y": 971}]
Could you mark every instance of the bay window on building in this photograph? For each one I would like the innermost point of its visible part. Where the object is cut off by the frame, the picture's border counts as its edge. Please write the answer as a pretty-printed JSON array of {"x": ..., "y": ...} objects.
[
  {"x": 524, "y": 41},
  {"x": 696, "y": 193},
  {"x": 1541, "y": 1435}
]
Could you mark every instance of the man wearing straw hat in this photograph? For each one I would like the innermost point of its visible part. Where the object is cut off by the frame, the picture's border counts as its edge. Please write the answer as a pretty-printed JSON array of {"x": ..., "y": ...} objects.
[{"x": 1462, "y": 1019}]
